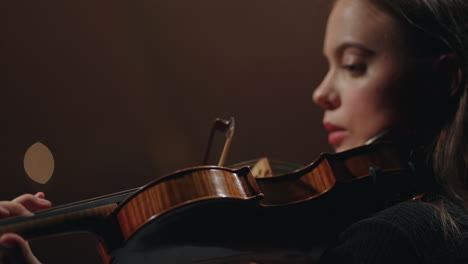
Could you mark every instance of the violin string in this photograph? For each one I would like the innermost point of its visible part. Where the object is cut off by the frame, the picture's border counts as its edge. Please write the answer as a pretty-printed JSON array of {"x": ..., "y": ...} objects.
[{"x": 75, "y": 206}]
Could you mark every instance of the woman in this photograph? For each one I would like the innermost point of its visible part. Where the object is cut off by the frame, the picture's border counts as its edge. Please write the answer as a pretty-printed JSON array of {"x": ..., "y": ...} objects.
[{"x": 399, "y": 67}]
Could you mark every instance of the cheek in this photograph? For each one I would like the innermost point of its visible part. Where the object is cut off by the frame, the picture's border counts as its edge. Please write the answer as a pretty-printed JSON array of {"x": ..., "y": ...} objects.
[{"x": 371, "y": 110}]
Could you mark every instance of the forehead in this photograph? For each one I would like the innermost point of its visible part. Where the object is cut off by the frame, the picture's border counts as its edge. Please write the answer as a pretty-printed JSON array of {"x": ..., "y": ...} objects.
[{"x": 360, "y": 22}]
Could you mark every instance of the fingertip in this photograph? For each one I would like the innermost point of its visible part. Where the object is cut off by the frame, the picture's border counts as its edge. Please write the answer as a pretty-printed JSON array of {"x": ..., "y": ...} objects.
[
  {"x": 18, "y": 249},
  {"x": 4, "y": 212},
  {"x": 27, "y": 213},
  {"x": 7, "y": 245},
  {"x": 10, "y": 240},
  {"x": 40, "y": 195},
  {"x": 44, "y": 203}
]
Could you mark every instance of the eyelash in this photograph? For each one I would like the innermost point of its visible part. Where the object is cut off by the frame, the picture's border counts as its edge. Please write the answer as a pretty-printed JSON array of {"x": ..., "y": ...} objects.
[{"x": 354, "y": 69}]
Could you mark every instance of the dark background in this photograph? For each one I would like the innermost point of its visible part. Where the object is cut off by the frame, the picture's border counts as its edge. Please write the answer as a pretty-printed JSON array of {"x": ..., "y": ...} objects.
[{"x": 123, "y": 92}]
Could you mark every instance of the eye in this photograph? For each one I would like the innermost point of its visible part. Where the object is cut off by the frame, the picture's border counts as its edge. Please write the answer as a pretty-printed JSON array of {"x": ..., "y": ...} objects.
[{"x": 355, "y": 69}]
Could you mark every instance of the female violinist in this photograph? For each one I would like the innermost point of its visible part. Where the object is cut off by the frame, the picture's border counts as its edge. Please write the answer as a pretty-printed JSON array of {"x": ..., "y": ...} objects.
[{"x": 399, "y": 68}]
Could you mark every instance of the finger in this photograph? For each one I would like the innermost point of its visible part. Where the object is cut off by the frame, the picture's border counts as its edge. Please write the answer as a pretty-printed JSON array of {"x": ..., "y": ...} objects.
[
  {"x": 4, "y": 213},
  {"x": 40, "y": 195},
  {"x": 33, "y": 202},
  {"x": 9, "y": 209},
  {"x": 16, "y": 249}
]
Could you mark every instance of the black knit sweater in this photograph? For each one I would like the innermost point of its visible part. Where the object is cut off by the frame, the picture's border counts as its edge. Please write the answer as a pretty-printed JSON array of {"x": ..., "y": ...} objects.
[{"x": 409, "y": 232}]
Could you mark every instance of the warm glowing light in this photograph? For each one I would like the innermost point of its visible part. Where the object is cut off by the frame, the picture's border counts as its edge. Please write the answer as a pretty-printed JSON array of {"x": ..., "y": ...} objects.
[{"x": 39, "y": 163}]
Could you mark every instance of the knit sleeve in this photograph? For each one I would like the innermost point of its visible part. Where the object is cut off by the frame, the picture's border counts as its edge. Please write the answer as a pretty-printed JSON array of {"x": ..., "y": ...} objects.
[{"x": 372, "y": 241}]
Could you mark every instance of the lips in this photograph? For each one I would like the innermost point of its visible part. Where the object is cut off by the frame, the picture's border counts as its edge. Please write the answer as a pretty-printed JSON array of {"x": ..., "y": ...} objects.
[{"x": 336, "y": 134}]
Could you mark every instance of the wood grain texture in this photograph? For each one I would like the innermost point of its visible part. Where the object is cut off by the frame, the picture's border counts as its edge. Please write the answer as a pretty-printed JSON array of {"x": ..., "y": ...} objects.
[
  {"x": 182, "y": 188},
  {"x": 329, "y": 170}
]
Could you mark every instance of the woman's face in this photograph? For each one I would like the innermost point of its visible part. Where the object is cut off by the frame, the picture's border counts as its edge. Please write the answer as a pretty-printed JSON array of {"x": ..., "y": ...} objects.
[{"x": 367, "y": 85}]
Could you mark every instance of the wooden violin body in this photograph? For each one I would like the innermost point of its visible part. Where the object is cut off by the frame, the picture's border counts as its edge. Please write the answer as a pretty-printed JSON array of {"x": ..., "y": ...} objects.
[{"x": 212, "y": 214}]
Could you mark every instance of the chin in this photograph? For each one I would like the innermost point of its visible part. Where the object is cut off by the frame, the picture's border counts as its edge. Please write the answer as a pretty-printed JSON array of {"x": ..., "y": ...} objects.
[
  {"x": 346, "y": 146},
  {"x": 340, "y": 149}
]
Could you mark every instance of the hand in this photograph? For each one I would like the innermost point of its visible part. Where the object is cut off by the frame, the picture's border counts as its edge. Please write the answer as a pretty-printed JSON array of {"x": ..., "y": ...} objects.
[
  {"x": 23, "y": 205},
  {"x": 13, "y": 248}
]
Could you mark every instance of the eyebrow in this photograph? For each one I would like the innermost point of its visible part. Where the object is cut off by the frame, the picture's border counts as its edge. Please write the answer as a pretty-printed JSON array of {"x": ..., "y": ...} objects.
[{"x": 350, "y": 44}]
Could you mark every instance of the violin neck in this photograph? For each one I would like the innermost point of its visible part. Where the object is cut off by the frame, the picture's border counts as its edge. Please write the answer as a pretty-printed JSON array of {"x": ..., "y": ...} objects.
[{"x": 85, "y": 216}]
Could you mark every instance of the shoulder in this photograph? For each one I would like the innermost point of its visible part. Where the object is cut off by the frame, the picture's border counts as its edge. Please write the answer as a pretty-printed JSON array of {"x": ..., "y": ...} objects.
[
  {"x": 409, "y": 232},
  {"x": 410, "y": 217}
]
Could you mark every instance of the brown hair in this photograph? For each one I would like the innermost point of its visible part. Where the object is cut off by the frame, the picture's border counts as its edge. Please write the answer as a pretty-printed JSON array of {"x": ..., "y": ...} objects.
[{"x": 439, "y": 27}]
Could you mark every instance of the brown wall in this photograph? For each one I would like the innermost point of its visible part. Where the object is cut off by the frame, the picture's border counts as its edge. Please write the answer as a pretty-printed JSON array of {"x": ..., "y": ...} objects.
[{"x": 125, "y": 91}]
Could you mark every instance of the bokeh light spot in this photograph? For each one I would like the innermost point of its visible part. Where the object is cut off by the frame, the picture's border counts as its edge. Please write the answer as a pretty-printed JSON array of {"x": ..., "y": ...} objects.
[{"x": 39, "y": 163}]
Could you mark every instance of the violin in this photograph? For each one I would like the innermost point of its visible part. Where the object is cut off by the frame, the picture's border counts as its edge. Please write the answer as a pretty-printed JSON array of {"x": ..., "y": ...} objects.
[{"x": 218, "y": 214}]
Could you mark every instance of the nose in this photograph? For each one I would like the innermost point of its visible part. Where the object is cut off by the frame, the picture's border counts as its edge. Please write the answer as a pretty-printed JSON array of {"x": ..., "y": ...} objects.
[{"x": 325, "y": 95}]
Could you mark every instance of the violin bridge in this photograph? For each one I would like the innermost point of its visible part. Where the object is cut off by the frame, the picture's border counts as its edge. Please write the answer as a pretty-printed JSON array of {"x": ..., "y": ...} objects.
[{"x": 262, "y": 169}]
